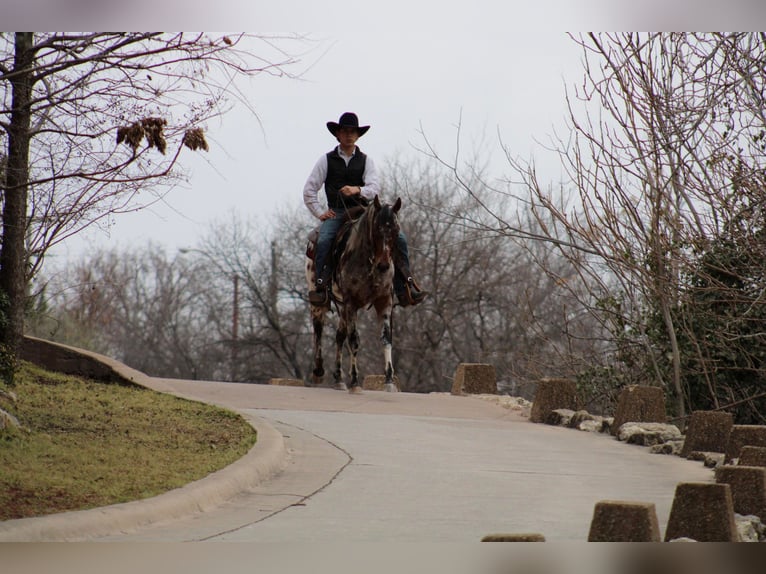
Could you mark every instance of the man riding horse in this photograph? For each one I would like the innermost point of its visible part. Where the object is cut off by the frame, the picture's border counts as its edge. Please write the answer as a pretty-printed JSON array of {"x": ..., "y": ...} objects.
[{"x": 350, "y": 179}]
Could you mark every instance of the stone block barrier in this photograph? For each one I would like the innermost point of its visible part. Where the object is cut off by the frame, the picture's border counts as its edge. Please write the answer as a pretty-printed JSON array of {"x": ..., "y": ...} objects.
[
  {"x": 744, "y": 435},
  {"x": 748, "y": 488},
  {"x": 622, "y": 521},
  {"x": 552, "y": 395},
  {"x": 474, "y": 379},
  {"x": 703, "y": 512},
  {"x": 708, "y": 431},
  {"x": 752, "y": 456},
  {"x": 639, "y": 404},
  {"x": 514, "y": 537}
]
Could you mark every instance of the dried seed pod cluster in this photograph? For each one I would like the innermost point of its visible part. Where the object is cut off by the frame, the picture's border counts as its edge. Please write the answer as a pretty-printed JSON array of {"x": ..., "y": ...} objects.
[
  {"x": 194, "y": 139},
  {"x": 149, "y": 128}
]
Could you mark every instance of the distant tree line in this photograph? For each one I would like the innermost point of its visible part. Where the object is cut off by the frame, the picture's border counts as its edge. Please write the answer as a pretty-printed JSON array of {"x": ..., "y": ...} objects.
[
  {"x": 175, "y": 314},
  {"x": 644, "y": 265}
]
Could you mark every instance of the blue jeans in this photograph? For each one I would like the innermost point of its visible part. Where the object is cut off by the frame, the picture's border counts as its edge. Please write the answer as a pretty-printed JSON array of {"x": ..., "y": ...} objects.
[
  {"x": 327, "y": 232},
  {"x": 402, "y": 262}
]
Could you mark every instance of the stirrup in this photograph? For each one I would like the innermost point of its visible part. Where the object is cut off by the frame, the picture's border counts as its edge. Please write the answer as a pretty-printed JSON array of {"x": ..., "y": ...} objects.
[
  {"x": 320, "y": 296},
  {"x": 408, "y": 297}
]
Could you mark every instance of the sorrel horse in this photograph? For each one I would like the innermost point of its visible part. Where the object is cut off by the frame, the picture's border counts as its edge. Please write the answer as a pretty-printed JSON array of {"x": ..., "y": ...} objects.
[{"x": 363, "y": 278}]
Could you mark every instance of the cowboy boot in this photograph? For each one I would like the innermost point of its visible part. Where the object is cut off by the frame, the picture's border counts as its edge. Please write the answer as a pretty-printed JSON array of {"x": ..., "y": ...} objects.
[
  {"x": 408, "y": 292},
  {"x": 320, "y": 296}
]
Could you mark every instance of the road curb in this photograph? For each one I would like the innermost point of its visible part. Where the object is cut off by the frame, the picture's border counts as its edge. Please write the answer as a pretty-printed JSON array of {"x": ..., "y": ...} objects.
[{"x": 264, "y": 460}]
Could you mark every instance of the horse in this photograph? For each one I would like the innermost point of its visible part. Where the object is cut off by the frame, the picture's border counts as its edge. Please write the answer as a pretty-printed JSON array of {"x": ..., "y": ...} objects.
[{"x": 363, "y": 278}]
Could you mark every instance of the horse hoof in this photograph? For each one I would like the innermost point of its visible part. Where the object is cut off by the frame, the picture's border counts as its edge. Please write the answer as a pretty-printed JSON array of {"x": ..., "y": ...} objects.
[
  {"x": 391, "y": 388},
  {"x": 355, "y": 390},
  {"x": 341, "y": 387}
]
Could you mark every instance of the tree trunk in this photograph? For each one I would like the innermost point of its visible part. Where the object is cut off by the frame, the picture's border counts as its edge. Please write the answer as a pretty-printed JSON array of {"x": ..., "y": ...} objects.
[{"x": 13, "y": 257}]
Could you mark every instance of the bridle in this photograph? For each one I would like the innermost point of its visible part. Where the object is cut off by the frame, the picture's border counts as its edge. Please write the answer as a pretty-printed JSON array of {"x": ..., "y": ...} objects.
[{"x": 382, "y": 231}]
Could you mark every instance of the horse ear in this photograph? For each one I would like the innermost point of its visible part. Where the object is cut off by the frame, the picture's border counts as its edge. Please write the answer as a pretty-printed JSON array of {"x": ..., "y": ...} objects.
[
  {"x": 397, "y": 205},
  {"x": 376, "y": 201}
]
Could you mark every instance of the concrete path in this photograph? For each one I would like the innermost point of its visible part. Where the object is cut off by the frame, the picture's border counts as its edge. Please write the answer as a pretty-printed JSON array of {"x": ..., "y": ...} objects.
[{"x": 382, "y": 467}]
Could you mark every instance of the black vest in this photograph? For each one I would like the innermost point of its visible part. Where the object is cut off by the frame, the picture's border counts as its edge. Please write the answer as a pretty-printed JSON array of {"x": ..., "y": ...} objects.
[{"x": 339, "y": 174}]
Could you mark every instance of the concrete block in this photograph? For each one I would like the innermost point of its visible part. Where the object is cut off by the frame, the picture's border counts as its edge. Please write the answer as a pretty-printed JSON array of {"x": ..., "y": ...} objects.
[
  {"x": 514, "y": 537},
  {"x": 748, "y": 488},
  {"x": 744, "y": 435},
  {"x": 474, "y": 379},
  {"x": 621, "y": 521},
  {"x": 551, "y": 395},
  {"x": 708, "y": 431},
  {"x": 752, "y": 456},
  {"x": 703, "y": 512},
  {"x": 639, "y": 404}
]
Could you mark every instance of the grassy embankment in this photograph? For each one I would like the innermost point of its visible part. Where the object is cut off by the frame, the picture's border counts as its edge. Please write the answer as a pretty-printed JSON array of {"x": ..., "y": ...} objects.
[{"x": 86, "y": 444}]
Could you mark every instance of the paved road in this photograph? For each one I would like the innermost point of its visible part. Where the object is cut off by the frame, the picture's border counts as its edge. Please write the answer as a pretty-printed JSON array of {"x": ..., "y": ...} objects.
[{"x": 382, "y": 467}]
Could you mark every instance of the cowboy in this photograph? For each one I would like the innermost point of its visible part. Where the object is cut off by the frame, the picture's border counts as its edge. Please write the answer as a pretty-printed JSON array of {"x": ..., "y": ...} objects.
[{"x": 350, "y": 179}]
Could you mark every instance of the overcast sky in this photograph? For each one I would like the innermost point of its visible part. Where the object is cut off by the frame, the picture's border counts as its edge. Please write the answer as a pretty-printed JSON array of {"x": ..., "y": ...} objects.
[
  {"x": 397, "y": 83},
  {"x": 401, "y": 65}
]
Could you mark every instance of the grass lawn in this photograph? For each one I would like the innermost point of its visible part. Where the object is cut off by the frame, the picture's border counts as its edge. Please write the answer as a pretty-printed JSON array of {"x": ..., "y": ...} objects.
[{"x": 87, "y": 444}]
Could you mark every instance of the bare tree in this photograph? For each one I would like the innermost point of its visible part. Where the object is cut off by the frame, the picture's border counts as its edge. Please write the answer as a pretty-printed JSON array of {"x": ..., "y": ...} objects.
[
  {"x": 142, "y": 307},
  {"x": 267, "y": 263},
  {"x": 233, "y": 307},
  {"x": 664, "y": 149},
  {"x": 490, "y": 303},
  {"x": 95, "y": 124}
]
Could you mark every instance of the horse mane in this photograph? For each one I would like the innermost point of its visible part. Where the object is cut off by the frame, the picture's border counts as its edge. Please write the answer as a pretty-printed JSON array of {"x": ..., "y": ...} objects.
[{"x": 360, "y": 230}]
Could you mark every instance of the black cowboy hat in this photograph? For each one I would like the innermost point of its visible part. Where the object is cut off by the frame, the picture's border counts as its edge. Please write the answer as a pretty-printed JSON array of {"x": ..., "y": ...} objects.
[{"x": 347, "y": 120}]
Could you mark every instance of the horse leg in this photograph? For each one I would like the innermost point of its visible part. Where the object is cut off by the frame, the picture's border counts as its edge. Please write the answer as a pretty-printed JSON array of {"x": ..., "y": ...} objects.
[
  {"x": 385, "y": 319},
  {"x": 340, "y": 339},
  {"x": 353, "y": 347},
  {"x": 317, "y": 320}
]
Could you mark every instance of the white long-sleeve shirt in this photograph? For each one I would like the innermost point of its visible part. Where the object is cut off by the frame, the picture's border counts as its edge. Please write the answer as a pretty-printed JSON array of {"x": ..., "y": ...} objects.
[{"x": 316, "y": 179}]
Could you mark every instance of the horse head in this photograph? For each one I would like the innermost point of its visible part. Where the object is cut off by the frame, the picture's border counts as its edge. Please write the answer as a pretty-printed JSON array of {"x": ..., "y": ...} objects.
[{"x": 384, "y": 229}]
